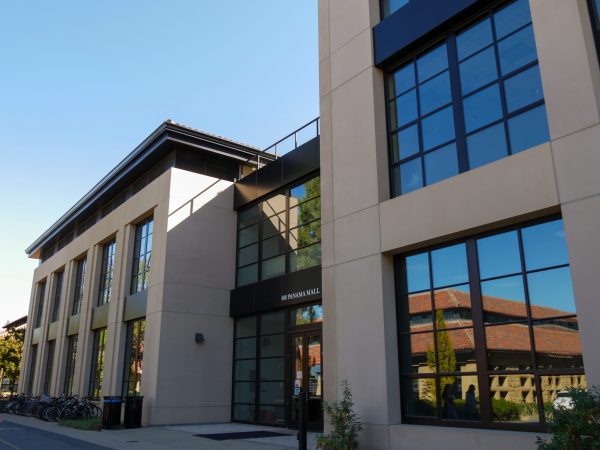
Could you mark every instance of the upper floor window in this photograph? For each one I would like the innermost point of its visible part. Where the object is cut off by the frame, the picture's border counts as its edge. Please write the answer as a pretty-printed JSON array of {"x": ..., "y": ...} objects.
[
  {"x": 142, "y": 252},
  {"x": 474, "y": 98},
  {"x": 40, "y": 304},
  {"x": 488, "y": 329},
  {"x": 79, "y": 285},
  {"x": 58, "y": 284},
  {"x": 389, "y": 7},
  {"x": 106, "y": 272},
  {"x": 281, "y": 234}
]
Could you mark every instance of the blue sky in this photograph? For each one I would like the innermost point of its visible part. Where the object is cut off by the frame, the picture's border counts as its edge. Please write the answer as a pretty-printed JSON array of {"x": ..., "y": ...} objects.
[{"x": 82, "y": 83}]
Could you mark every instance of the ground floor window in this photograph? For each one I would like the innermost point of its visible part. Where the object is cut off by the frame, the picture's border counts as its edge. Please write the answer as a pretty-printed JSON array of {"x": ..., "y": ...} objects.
[
  {"x": 97, "y": 368},
  {"x": 49, "y": 367},
  {"x": 265, "y": 357},
  {"x": 32, "y": 363},
  {"x": 70, "y": 369},
  {"x": 134, "y": 357},
  {"x": 488, "y": 329}
]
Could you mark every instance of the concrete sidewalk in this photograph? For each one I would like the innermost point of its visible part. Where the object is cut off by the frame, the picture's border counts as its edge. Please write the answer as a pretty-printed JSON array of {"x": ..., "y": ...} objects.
[{"x": 168, "y": 438}]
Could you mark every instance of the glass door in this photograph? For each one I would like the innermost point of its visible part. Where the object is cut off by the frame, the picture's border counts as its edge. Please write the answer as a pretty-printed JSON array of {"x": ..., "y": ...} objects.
[{"x": 306, "y": 373}]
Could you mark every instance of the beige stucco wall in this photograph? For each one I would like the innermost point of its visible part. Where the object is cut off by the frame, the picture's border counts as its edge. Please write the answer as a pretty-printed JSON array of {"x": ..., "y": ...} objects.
[
  {"x": 193, "y": 269},
  {"x": 363, "y": 228}
]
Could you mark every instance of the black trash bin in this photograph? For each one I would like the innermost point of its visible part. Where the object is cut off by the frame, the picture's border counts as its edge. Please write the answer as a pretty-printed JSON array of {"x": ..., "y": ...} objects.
[
  {"x": 133, "y": 411},
  {"x": 111, "y": 412}
]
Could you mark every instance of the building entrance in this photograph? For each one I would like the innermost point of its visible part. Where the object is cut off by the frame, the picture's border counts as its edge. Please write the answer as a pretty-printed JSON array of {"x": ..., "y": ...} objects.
[{"x": 306, "y": 374}]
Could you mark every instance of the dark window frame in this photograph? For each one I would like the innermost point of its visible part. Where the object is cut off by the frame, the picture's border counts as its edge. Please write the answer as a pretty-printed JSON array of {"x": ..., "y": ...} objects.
[
  {"x": 72, "y": 344},
  {"x": 49, "y": 366},
  {"x": 479, "y": 326},
  {"x": 134, "y": 353},
  {"x": 261, "y": 238},
  {"x": 32, "y": 367},
  {"x": 457, "y": 97}
]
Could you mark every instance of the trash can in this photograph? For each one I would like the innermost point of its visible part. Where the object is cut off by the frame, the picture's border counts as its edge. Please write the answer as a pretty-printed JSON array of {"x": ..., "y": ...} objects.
[
  {"x": 133, "y": 411},
  {"x": 111, "y": 412}
]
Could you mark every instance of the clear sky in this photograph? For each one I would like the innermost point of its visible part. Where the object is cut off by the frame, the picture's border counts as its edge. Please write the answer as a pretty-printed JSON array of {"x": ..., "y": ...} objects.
[{"x": 83, "y": 82}]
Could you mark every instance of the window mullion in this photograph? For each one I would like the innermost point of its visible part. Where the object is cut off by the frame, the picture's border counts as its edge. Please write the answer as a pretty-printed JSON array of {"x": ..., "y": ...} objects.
[
  {"x": 485, "y": 403},
  {"x": 456, "y": 94}
]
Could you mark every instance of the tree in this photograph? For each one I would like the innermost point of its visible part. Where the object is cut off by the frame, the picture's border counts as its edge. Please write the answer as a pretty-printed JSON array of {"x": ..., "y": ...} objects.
[
  {"x": 11, "y": 349},
  {"x": 345, "y": 423},
  {"x": 446, "y": 356}
]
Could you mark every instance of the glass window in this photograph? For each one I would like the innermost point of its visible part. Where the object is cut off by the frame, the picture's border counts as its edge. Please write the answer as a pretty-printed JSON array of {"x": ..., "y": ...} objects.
[
  {"x": 49, "y": 367},
  {"x": 79, "y": 285},
  {"x": 41, "y": 292},
  {"x": 32, "y": 364},
  {"x": 528, "y": 331},
  {"x": 106, "y": 272},
  {"x": 391, "y": 6},
  {"x": 134, "y": 357},
  {"x": 70, "y": 368},
  {"x": 488, "y": 93},
  {"x": 97, "y": 367},
  {"x": 58, "y": 283},
  {"x": 142, "y": 253},
  {"x": 307, "y": 315}
]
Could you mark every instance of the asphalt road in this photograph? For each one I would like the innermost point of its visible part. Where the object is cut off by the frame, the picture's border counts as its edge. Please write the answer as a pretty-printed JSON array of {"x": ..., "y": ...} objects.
[{"x": 19, "y": 437}]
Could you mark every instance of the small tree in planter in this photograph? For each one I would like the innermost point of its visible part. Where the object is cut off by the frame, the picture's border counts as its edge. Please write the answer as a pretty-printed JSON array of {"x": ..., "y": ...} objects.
[
  {"x": 575, "y": 425},
  {"x": 346, "y": 424}
]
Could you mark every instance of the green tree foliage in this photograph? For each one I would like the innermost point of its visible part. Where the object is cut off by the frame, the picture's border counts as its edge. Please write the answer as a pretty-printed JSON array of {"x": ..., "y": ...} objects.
[
  {"x": 576, "y": 425},
  {"x": 445, "y": 354},
  {"x": 346, "y": 424},
  {"x": 11, "y": 348}
]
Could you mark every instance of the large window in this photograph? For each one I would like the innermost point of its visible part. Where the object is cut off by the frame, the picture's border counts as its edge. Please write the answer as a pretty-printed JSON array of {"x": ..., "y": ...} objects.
[
  {"x": 79, "y": 285},
  {"x": 97, "y": 368},
  {"x": 41, "y": 291},
  {"x": 281, "y": 234},
  {"x": 49, "y": 366},
  {"x": 487, "y": 329},
  {"x": 106, "y": 272},
  {"x": 32, "y": 364},
  {"x": 58, "y": 283},
  {"x": 389, "y": 7},
  {"x": 70, "y": 368},
  {"x": 472, "y": 99},
  {"x": 142, "y": 252},
  {"x": 594, "y": 6},
  {"x": 134, "y": 357}
]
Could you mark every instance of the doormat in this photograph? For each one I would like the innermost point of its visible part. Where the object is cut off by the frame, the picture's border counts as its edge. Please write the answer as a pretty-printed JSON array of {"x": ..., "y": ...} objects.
[{"x": 241, "y": 435}]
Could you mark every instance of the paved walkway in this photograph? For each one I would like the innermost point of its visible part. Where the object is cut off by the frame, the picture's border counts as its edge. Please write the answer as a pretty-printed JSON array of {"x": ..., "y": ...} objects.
[{"x": 14, "y": 436}]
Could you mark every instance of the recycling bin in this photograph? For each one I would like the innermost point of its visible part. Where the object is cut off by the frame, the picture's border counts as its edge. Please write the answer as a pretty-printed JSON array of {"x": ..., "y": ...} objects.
[
  {"x": 111, "y": 412},
  {"x": 133, "y": 411}
]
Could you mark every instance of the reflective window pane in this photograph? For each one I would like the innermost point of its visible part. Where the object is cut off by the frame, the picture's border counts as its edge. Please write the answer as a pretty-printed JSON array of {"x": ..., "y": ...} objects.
[
  {"x": 508, "y": 347},
  {"x": 456, "y": 351},
  {"x": 248, "y": 216},
  {"x": 482, "y": 108},
  {"x": 244, "y": 413},
  {"x": 438, "y": 128},
  {"x": 305, "y": 257},
  {"x": 273, "y": 246},
  {"x": 404, "y": 109},
  {"x": 487, "y": 146},
  {"x": 244, "y": 392},
  {"x": 453, "y": 307},
  {"x": 402, "y": 80},
  {"x": 245, "y": 370},
  {"x": 273, "y": 267},
  {"x": 248, "y": 235},
  {"x": 523, "y": 89},
  {"x": 441, "y": 164},
  {"x": 245, "y": 327},
  {"x": 419, "y": 397},
  {"x": 247, "y": 255},
  {"x": 247, "y": 275},
  {"x": 415, "y": 312},
  {"x": 551, "y": 293},
  {"x": 528, "y": 129},
  {"x": 544, "y": 245},
  {"x": 478, "y": 70},
  {"x": 432, "y": 63},
  {"x": 305, "y": 212},
  {"x": 557, "y": 344},
  {"x": 517, "y": 50},
  {"x": 514, "y": 398},
  {"x": 406, "y": 143},
  {"x": 417, "y": 353},
  {"x": 272, "y": 369},
  {"x": 460, "y": 398},
  {"x": 304, "y": 191},
  {"x": 273, "y": 225},
  {"x": 245, "y": 348},
  {"x": 511, "y": 18},
  {"x": 272, "y": 323},
  {"x": 504, "y": 299},
  {"x": 449, "y": 265},
  {"x": 272, "y": 345},
  {"x": 271, "y": 392},
  {"x": 499, "y": 255},
  {"x": 409, "y": 176},
  {"x": 307, "y": 315},
  {"x": 277, "y": 203},
  {"x": 271, "y": 414},
  {"x": 435, "y": 93},
  {"x": 474, "y": 38},
  {"x": 415, "y": 276},
  {"x": 555, "y": 390}
]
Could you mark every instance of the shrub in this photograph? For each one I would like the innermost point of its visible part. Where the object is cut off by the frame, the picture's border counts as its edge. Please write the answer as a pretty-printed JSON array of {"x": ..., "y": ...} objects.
[
  {"x": 575, "y": 425},
  {"x": 346, "y": 424},
  {"x": 505, "y": 411}
]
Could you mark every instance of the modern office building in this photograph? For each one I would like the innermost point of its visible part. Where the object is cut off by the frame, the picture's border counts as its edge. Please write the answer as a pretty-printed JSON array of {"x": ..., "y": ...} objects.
[
  {"x": 434, "y": 245},
  {"x": 460, "y": 152}
]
